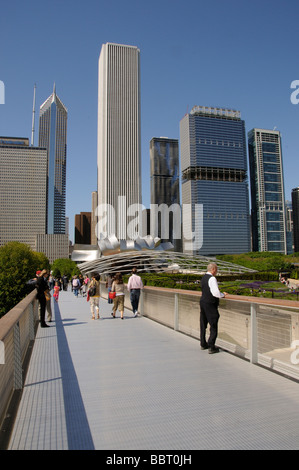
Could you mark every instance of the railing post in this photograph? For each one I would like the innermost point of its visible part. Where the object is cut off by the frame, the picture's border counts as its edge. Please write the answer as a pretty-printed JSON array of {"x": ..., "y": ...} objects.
[
  {"x": 31, "y": 322},
  {"x": 176, "y": 311},
  {"x": 253, "y": 345},
  {"x": 141, "y": 308},
  {"x": 18, "y": 374}
]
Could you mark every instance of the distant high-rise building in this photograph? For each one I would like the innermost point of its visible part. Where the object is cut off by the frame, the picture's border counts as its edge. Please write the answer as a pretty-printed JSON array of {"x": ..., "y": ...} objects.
[
  {"x": 289, "y": 227},
  {"x": 53, "y": 136},
  {"x": 214, "y": 182},
  {"x": 23, "y": 180},
  {"x": 119, "y": 160},
  {"x": 83, "y": 228},
  {"x": 295, "y": 206},
  {"x": 268, "y": 213},
  {"x": 165, "y": 185}
]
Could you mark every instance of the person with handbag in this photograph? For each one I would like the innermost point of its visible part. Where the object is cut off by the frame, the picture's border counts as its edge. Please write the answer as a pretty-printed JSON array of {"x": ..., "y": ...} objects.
[
  {"x": 119, "y": 299},
  {"x": 110, "y": 279},
  {"x": 42, "y": 293},
  {"x": 94, "y": 296}
]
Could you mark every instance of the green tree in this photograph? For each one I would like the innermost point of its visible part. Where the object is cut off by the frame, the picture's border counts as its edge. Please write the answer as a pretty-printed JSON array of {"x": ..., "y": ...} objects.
[
  {"x": 64, "y": 266},
  {"x": 42, "y": 261},
  {"x": 18, "y": 264}
]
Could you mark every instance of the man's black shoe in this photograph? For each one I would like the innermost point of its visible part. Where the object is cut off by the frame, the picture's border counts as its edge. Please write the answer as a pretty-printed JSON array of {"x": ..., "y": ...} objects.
[
  {"x": 213, "y": 350},
  {"x": 203, "y": 347}
]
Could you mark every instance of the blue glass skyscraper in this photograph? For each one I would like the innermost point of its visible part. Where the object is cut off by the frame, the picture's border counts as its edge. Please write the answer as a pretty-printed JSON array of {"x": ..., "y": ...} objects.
[
  {"x": 214, "y": 181},
  {"x": 267, "y": 191},
  {"x": 52, "y": 136}
]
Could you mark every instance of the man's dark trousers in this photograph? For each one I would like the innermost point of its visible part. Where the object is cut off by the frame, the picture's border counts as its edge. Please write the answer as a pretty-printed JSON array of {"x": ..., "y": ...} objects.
[
  {"x": 208, "y": 314},
  {"x": 134, "y": 298}
]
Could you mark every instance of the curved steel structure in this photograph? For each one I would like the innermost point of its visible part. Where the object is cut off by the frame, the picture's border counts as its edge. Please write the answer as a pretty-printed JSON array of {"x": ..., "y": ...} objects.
[{"x": 147, "y": 255}]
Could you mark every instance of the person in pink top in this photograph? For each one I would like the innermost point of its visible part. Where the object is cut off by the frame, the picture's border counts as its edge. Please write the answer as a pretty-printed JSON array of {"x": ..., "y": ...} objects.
[
  {"x": 56, "y": 291},
  {"x": 134, "y": 286}
]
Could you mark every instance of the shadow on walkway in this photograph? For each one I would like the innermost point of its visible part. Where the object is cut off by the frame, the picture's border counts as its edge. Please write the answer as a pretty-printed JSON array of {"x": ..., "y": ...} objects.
[{"x": 78, "y": 430}]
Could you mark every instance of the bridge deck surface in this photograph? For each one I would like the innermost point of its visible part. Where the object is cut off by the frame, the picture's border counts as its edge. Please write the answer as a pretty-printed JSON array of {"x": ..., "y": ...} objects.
[{"x": 134, "y": 384}]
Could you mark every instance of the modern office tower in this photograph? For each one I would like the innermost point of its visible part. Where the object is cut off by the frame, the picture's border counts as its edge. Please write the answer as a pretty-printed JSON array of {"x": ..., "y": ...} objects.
[
  {"x": 295, "y": 205},
  {"x": 52, "y": 136},
  {"x": 23, "y": 181},
  {"x": 267, "y": 191},
  {"x": 215, "y": 198},
  {"x": 289, "y": 227},
  {"x": 165, "y": 187},
  {"x": 119, "y": 161},
  {"x": 83, "y": 228}
]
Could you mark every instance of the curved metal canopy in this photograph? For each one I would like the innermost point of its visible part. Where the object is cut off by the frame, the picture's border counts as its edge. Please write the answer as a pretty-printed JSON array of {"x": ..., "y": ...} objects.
[{"x": 147, "y": 254}]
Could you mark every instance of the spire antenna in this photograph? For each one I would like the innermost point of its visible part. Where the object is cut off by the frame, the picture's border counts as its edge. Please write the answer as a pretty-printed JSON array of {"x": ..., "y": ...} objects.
[{"x": 33, "y": 117}]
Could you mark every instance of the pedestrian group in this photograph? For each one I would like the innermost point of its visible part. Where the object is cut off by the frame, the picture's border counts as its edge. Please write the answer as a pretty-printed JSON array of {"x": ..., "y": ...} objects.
[{"x": 209, "y": 301}]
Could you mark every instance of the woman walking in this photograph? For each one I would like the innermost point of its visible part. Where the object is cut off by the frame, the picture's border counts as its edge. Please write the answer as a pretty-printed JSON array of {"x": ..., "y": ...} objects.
[
  {"x": 119, "y": 299},
  {"x": 94, "y": 299}
]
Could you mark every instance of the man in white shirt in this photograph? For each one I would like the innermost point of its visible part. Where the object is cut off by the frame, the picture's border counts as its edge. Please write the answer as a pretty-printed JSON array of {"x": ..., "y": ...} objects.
[
  {"x": 209, "y": 308},
  {"x": 134, "y": 286}
]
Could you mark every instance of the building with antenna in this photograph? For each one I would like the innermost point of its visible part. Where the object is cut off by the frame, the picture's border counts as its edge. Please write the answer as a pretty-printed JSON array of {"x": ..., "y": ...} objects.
[{"x": 52, "y": 136}]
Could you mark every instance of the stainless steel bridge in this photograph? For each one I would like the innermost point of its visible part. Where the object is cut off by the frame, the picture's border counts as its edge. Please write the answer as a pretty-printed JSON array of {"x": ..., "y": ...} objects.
[{"x": 135, "y": 384}]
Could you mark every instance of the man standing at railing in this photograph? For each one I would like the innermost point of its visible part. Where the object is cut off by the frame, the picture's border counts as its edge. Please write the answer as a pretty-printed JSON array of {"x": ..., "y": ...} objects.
[
  {"x": 134, "y": 286},
  {"x": 209, "y": 308},
  {"x": 42, "y": 290}
]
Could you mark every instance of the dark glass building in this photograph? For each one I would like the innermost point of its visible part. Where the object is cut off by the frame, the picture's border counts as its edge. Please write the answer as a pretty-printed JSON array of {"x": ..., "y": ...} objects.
[
  {"x": 214, "y": 182},
  {"x": 83, "y": 228},
  {"x": 165, "y": 183},
  {"x": 295, "y": 206}
]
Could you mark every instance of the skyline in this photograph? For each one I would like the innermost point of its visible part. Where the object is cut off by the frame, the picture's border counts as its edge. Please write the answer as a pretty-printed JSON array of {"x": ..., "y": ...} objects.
[{"x": 236, "y": 54}]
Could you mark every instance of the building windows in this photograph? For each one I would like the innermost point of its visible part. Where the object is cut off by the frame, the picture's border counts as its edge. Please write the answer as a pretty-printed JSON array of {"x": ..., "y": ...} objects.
[{"x": 267, "y": 191}]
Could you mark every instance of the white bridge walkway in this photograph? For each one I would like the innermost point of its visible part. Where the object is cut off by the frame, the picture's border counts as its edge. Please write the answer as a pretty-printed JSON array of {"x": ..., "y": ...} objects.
[{"x": 134, "y": 384}]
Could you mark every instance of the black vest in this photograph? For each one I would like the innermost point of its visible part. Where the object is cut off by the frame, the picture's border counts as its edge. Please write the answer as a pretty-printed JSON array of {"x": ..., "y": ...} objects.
[{"x": 206, "y": 293}]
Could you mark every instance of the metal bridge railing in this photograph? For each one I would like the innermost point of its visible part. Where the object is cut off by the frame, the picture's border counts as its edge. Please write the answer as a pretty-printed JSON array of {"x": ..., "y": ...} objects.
[{"x": 17, "y": 331}]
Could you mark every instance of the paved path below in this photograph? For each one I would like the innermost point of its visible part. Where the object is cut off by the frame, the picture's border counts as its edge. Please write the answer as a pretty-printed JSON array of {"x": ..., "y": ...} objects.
[{"x": 133, "y": 384}]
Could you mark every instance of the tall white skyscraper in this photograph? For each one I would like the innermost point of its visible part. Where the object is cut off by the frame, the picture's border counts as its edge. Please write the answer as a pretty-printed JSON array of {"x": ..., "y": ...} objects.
[{"x": 119, "y": 155}]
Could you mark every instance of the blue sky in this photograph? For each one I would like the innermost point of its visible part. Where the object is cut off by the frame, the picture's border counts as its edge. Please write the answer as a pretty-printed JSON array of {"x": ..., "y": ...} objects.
[{"x": 237, "y": 54}]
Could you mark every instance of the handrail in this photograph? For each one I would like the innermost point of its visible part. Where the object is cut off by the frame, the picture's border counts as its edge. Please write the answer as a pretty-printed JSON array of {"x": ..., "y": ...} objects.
[
  {"x": 17, "y": 331},
  {"x": 8, "y": 321},
  {"x": 264, "y": 331}
]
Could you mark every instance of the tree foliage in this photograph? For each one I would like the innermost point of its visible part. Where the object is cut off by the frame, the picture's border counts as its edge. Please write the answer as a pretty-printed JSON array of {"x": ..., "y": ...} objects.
[
  {"x": 18, "y": 264},
  {"x": 64, "y": 266}
]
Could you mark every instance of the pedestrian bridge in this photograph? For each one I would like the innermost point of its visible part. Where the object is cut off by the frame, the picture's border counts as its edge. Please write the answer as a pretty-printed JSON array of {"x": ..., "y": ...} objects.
[{"x": 136, "y": 384}]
